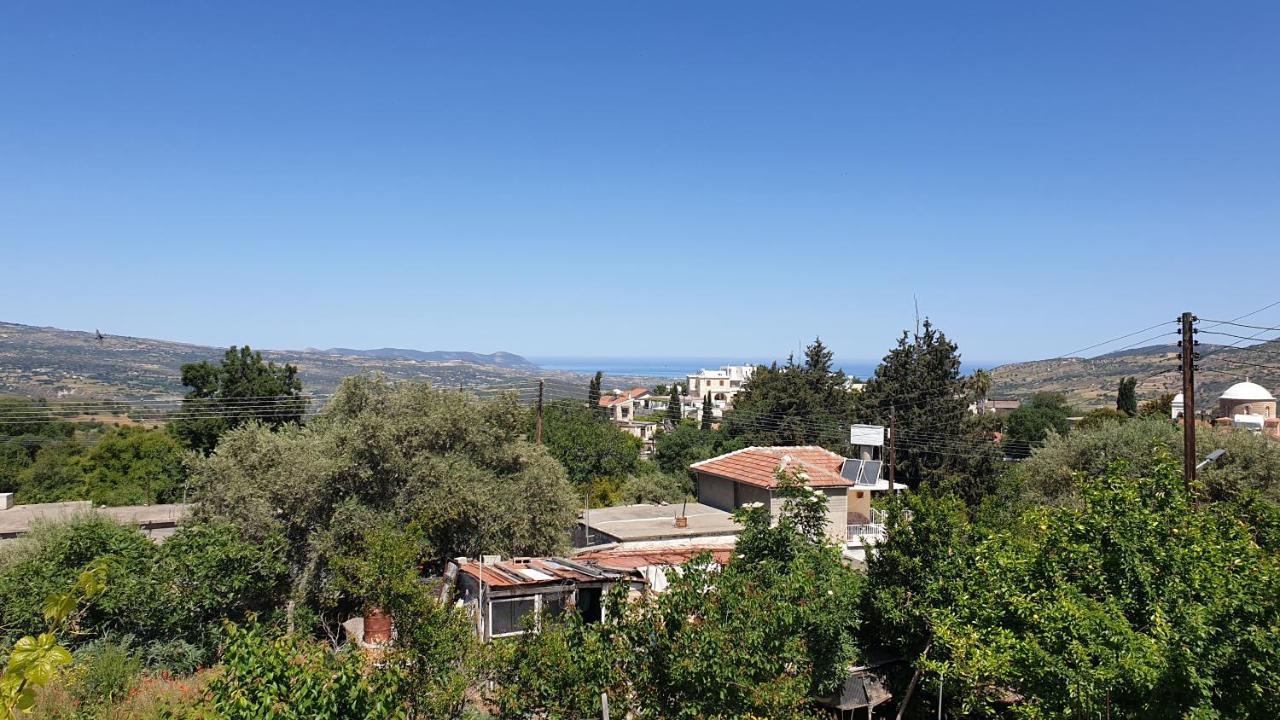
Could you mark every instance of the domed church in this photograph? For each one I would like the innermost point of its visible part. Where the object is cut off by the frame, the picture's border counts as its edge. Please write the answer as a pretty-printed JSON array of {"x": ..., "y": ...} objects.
[{"x": 1247, "y": 398}]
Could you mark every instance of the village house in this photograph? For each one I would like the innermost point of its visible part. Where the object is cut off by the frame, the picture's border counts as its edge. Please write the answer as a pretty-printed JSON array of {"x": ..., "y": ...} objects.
[
  {"x": 722, "y": 385},
  {"x": 751, "y": 475},
  {"x": 623, "y": 407}
]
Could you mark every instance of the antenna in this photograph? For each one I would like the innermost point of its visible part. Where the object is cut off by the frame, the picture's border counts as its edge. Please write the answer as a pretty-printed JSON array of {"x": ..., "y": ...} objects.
[{"x": 916, "y": 301}]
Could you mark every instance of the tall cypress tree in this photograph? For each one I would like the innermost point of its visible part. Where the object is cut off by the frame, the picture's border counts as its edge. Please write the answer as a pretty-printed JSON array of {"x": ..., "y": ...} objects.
[
  {"x": 1127, "y": 396},
  {"x": 593, "y": 392},
  {"x": 673, "y": 406},
  {"x": 706, "y": 411}
]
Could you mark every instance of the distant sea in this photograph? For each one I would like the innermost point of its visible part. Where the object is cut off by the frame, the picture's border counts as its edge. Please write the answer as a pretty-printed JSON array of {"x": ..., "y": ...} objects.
[{"x": 667, "y": 367}]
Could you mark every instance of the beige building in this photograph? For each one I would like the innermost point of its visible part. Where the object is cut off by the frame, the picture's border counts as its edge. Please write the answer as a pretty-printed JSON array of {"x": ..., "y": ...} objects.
[
  {"x": 751, "y": 475},
  {"x": 623, "y": 405},
  {"x": 720, "y": 384}
]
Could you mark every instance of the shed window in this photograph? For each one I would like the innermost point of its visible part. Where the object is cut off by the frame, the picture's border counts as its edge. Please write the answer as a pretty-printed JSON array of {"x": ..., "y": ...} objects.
[
  {"x": 553, "y": 604},
  {"x": 506, "y": 616}
]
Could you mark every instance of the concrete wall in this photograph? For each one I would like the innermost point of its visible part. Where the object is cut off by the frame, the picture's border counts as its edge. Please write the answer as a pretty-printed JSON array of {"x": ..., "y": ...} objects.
[
  {"x": 837, "y": 512},
  {"x": 1230, "y": 408},
  {"x": 744, "y": 493},
  {"x": 860, "y": 505},
  {"x": 716, "y": 492}
]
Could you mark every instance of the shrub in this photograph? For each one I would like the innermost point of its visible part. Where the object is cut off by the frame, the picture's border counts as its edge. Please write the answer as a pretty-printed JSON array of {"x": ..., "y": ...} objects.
[
  {"x": 105, "y": 671},
  {"x": 53, "y": 556}
]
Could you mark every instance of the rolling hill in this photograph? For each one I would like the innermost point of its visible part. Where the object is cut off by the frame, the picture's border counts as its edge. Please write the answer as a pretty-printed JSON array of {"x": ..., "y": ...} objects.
[
  {"x": 1092, "y": 382},
  {"x": 49, "y": 362}
]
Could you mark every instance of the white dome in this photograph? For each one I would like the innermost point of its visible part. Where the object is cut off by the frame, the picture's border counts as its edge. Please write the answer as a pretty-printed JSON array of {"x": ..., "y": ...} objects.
[
  {"x": 1247, "y": 391},
  {"x": 1177, "y": 399}
]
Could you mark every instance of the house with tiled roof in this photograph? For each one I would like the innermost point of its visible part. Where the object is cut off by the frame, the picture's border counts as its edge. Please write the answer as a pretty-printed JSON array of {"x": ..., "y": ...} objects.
[
  {"x": 622, "y": 407},
  {"x": 623, "y": 404},
  {"x": 751, "y": 475}
]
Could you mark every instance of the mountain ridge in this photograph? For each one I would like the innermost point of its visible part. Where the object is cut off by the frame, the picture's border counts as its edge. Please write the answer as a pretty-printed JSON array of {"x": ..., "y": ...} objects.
[{"x": 53, "y": 362}]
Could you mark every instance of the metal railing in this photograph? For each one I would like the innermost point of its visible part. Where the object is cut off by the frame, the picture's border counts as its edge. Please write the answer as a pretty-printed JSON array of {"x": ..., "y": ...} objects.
[{"x": 860, "y": 530}]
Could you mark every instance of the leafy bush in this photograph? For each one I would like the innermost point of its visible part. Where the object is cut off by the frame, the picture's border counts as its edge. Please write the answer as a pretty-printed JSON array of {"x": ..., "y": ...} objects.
[
  {"x": 174, "y": 655},
  {"x": 171, "y": 594},
  {"x": 105, "y": 671},
  {"x": 53, "y": 556},
  {"x": 290, "y": 678}
]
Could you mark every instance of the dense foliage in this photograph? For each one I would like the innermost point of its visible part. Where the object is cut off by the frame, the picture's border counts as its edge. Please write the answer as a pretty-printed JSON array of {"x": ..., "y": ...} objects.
[
  {"x": 1134, "y": 602},
  {"x": 167, "y": 598},
  {"x": 457, "y": 468},
  {"x": 1251, "y": 465},
  {"x": 53, "y": 460},
  {"x": 806, "y": 403},
  {"x": 918, "y": 389},
  {"x": 239, "y": 389},
  {"x": 1127, "y": 396},
  {"x": 687, "y": 443},
  {"x": 1033, "y": 421},
  {"x": 590, "y": 447}
]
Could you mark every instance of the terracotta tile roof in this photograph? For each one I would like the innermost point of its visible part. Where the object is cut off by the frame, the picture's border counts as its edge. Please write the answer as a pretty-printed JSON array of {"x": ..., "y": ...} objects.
[
  {"x": 759, "y": 465},
  {"x": 632, "y": 394}
]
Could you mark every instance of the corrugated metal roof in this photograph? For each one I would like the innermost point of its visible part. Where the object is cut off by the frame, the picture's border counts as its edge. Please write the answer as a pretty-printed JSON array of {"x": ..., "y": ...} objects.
[{"x": 535, "y": 571}]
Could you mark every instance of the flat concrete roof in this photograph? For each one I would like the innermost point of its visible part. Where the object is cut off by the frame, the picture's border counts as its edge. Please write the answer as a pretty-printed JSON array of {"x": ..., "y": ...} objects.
[
  {"x": 634, "y": 523},
  {"x": 18, "y": 519}
]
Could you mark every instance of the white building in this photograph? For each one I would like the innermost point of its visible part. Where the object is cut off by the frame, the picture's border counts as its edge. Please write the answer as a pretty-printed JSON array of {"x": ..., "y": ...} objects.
[{"x": 721, "y": 385}]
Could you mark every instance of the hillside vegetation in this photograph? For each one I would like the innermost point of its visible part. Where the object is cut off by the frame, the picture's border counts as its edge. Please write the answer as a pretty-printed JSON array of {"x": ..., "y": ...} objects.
[
  {"x": 1092, "y": 382},
  {"x": 48, "y": 362}
]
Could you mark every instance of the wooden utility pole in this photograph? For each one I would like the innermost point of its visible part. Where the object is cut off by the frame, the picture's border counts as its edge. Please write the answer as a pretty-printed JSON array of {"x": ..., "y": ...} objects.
[
  {"x": 538, "y": 426},
  {"x": 1188, "y": 346},
  {"x": 893, "y": 445}
]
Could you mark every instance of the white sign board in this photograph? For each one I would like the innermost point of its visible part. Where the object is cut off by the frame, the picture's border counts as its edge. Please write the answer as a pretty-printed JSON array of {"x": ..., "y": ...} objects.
[{"x": 872, "y": 435}]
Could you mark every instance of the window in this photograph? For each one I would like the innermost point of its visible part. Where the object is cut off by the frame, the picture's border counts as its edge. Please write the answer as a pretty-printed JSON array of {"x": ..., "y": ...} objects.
[
  {"x": 553, "y": 604},
  {"x": 506, "y": 616}
]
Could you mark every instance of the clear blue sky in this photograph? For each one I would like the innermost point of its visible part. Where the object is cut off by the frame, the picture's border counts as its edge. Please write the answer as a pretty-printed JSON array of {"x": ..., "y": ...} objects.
[{"x": 636, "y": 178}]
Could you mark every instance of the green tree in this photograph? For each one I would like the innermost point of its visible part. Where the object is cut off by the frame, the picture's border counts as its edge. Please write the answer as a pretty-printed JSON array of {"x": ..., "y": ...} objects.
[
  {"x": 1135, "y": 603},
  {"x": 594, "y": 391},
  {"x": 673, "y": 407},
  {"x": 1127, "y": 396},
  {"x": 918, "y": 386},
  {"x": 33, "y": 660},
  {"x": 1032, "y": 422},
  {"x": 794, "y": 404},
  {"x": 1099, "y": 417},
  {"x": 909, "y": 572},
  {"x": 1051, "y": 475},
  {"x": 1161, "y": 406},
  {"x": 678, "y": 448},
  {"x": 588, "y": 446},
  {"x": 459, "y": 469},
  {"x": 707, "y": 412},
  {"x": 978, "y": 384},
  {"x": 241, "y": 388},
  {"x": 134, "y": 466}
]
